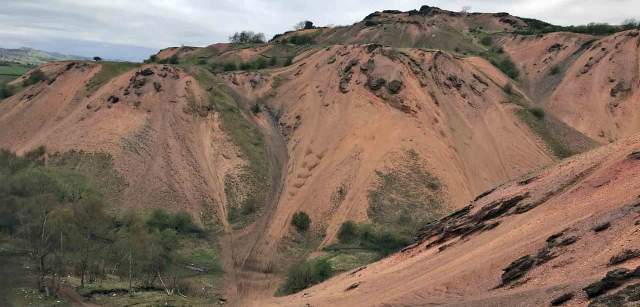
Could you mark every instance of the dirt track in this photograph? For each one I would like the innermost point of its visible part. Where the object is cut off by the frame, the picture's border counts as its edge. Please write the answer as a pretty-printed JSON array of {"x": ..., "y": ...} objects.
[{"x": 251, "y": 254}]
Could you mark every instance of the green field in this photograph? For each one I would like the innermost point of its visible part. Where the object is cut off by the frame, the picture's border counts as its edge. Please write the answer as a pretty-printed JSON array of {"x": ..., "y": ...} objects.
[{"x": 11, "y": 71}]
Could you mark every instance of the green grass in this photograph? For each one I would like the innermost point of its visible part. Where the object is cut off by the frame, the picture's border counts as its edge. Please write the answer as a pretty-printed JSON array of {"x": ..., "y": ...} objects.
[
  {"x": 536, "y": 121},
  {"x": 108, "y": 71},
  {"x": 8, "y": 73},
  {"x": 14, "y": 70}
]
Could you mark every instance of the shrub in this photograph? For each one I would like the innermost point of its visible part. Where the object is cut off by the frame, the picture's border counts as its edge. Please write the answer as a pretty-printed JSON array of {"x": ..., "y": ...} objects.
[
  {"x": 180, "y": 222},
  {"x": 289, "y": 61},
  {"x": 301, "y": 40},
  {"x": 487, "y": 40},
  {"x": 348, "y": 232},
  {"x": 554, "y": 70},
  {"x": 273, "y": 61},
  {"x": 261, "y": 63},
  {"x": 5, "y": 91},
  {"x": 508, "y": 89},
  {"x": 301, "y": 221},
  {"x": 173, "y": 59},
  {"x": 247, "y": 66},
  {"x": 35, "y": 77},
  {"x": 231, "y": 66},
  {"x": 380, "y": 240},
  {"x": 507, "y": 67},
  {"x": 537, "y": 112},
  {"x": 255, "y": 109},
  {"x": 152, "y": 59},
  {"x": 306, "y": 274}
]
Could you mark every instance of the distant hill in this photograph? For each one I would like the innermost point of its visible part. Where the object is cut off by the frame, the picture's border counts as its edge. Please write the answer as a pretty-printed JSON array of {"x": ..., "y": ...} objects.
[{"x": 30, "y": 56}]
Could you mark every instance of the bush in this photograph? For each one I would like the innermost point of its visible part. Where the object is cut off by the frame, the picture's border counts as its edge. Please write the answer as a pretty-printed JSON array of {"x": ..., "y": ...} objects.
[
  {"x": 273, "y": 61},
  {"x": 301, "y": 221},
  {"x": 508, "y": 89},
  {"x": 173, "y": 59},
  {"x": 507, "y": 67},
  {"x": 487, "y": 40},
  {"x": 307, "y": 274},
  {"x": 247, "y": 66},
  {"x": 180, "y": 222},
  {"x": 380, "y": 240},
  {"x": 261, "y": 63},
  {"x": 152, "y": 59},
  {"x": 255, "y": 109},
  {"x": 5, "y": 91},
  {"x": 231, "y": 66},
  {"x": 301, "y": 40},
  {"x": 35, "y": 77},
  {"x": 554, "y": 70},
  {"x": 537, "y": 112},
  {"x": 348, "y": 232},
  {"x": 289, "y": 61}
]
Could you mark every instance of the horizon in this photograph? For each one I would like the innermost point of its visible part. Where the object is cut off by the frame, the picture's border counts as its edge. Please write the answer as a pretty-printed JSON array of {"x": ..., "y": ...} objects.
[{"x": 121, "y": 30}]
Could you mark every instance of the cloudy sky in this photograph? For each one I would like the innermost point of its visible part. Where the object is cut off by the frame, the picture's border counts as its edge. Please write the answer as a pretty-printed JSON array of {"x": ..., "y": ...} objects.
[{"x": 134, "y": 29}]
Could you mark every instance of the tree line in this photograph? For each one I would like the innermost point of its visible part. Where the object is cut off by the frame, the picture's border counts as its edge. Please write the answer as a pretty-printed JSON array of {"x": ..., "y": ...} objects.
[{"x": 55, "y": 216}]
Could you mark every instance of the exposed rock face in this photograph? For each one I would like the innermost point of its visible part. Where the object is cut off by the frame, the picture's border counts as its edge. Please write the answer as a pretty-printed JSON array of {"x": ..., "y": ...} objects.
[
  {"x": 346, "y": 75},
  {"x": 113, "y": 99},
  {"x": 394, "y": 86}
]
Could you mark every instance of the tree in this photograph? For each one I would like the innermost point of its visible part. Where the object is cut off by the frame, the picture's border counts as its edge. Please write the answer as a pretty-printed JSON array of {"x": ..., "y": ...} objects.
[
  {"x": 304, "y": 25},
  {"x": 97, "y": 58},
  {"x": 301, "y": 221},
  {"x": 247, "y": 37}
]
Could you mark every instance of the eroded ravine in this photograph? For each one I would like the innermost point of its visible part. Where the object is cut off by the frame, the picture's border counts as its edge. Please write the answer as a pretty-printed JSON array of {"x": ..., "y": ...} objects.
[{"x": 252, "y": 255}]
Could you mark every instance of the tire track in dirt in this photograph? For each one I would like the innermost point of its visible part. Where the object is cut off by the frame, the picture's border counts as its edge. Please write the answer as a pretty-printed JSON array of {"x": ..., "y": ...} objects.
[{"x": 244, "y": 250}]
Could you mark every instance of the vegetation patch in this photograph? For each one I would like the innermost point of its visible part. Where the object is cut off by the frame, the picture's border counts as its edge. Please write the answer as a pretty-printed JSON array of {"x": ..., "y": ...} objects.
[
  {"x": 57, "y": 211},
  {"x": 301, "y": 221},
  {"x": 406, "y": 196},
  {"x": 535, "y": 27},
  {"x": 8, "y": 73},
  {"x": 108, "y": 71},
  {"x": 306, "y": 274},
  {"x": 535, "y": 119}
]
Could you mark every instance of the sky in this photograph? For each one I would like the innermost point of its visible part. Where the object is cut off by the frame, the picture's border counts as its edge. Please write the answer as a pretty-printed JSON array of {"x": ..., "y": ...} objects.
[{"x": 134, "y": 29}]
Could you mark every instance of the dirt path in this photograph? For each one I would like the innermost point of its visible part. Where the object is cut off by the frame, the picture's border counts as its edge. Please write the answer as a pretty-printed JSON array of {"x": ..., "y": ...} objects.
[{"x": 248, "y": 258}]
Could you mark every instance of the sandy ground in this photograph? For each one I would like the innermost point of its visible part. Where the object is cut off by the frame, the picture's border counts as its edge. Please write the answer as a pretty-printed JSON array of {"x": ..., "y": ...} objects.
[{"x": 580, "y": 193}]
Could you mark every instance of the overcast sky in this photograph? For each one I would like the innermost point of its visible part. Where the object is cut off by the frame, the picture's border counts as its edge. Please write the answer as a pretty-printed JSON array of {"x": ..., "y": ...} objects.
[{"x": 134, "y": 29}]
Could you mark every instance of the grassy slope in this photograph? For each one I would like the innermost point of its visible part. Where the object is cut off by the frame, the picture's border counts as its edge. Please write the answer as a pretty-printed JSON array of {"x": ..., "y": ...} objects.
[
  {"x": 108, "y": 71},
  {"x": 248, "y": 191}
]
